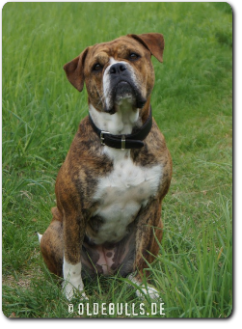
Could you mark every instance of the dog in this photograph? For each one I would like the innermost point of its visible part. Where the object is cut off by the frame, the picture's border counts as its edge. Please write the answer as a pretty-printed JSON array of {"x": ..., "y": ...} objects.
[{"x": 110, "y": 188}]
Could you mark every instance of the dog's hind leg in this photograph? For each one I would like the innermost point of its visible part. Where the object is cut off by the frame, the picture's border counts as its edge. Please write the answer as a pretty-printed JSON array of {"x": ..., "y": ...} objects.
[
  {"x": 147, "y": 247},
  {"x": 51, "y": 245}
]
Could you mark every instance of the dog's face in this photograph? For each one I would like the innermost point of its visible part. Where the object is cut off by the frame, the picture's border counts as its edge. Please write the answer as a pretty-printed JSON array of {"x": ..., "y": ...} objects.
[{"x": 118, "y": 71}]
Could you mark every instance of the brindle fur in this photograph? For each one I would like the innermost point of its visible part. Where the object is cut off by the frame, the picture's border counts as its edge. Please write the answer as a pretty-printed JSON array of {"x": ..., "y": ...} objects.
[
  {"x": 73, "y": 217},
  {"x": 76, "y": 179}
]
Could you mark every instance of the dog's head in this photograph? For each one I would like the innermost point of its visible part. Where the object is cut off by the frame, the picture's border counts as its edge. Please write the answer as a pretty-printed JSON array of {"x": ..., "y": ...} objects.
[{"x": 117, "y": 72}]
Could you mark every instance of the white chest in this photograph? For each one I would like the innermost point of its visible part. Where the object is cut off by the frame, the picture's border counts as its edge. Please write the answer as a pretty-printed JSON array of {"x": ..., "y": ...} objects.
[
  {"x": 128, "y": 187},
  {"x": 122, "y": 193}
]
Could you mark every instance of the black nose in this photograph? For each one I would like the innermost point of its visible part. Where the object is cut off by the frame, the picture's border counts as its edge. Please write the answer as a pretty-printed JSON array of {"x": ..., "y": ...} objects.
[{"x": 117, "y": 68}]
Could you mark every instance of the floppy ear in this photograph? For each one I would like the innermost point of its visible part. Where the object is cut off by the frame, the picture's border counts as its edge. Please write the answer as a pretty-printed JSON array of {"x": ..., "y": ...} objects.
[
  {"x": 75, "y": 70},
  {"x": 153, "y": 41}
]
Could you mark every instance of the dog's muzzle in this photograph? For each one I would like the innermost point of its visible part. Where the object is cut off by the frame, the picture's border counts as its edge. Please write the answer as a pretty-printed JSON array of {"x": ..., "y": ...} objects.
[{"x": 122, "y": 86}]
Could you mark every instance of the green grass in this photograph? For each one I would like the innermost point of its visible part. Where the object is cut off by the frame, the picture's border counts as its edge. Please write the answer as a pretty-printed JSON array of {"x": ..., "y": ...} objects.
[{"x": 192, "y": 103}]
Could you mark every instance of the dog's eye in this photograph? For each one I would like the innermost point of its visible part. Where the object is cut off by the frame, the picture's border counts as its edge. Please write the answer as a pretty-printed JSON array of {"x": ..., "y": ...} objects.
[
  {"x": 97, "y": 67},
  {"x": 133, "y": 56}
]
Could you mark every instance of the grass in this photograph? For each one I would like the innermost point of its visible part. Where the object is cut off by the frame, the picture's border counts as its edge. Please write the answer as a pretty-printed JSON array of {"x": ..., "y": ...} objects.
[{"x": 192, "y": 103}]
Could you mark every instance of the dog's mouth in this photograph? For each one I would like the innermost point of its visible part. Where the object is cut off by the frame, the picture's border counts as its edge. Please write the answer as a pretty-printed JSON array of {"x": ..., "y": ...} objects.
[
  {"x": 125, "y": 93},
  {"x": 123, "y": 90}
]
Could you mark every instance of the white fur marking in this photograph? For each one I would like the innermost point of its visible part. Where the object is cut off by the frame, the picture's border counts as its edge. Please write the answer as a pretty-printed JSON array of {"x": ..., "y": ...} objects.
[
  {"x": 119, "y": 194},
  {"x": 143, "y": 290},
  {"x": 72, "y": 279},
  {"x": 39, "y": 236},
  {"x": 122, "y": 122},
  {"x": 128, "y": 187}
]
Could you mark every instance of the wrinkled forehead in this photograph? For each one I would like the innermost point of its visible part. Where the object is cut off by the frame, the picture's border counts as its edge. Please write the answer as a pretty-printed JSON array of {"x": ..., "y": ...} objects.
[{"x": 117, "y": 48}]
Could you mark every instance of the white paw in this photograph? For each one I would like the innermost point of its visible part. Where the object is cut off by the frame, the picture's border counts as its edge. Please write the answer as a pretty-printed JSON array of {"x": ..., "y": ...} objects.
[
  {"x": 72, "y": 280},
  {"x": 69, "y": 291},
  {"x": 143, "y": 290},
  {"x": 149, "y": 291}
]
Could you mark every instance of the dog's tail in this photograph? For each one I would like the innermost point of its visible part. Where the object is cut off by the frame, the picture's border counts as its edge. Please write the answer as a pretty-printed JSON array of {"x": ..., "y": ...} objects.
[{"x": 39, "y": 236}]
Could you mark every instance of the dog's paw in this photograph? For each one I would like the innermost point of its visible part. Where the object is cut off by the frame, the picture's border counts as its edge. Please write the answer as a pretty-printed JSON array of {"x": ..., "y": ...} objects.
[
  {"x": 72, "y": 280},
  {"x": 149, "y": 291},
  {"x": 69, "y": 291},
  {"x": 144, "y": 290}
]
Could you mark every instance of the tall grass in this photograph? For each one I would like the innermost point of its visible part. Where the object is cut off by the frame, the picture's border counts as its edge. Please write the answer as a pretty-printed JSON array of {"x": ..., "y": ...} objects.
[
  {"x": 196, "y": 271},
  {"x": 192, "y": 104}
]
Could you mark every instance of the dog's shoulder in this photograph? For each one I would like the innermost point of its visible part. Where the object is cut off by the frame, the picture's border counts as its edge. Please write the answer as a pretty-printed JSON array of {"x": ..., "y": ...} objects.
[{"x": 155, "y": 152}]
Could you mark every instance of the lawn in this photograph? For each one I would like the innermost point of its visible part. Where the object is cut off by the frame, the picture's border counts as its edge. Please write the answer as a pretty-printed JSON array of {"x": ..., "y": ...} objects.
[{"x": 192, "y": 104}]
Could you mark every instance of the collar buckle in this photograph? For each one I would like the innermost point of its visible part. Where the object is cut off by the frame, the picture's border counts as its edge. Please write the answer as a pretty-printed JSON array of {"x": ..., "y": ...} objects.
[{"x": 102, "y": 139}]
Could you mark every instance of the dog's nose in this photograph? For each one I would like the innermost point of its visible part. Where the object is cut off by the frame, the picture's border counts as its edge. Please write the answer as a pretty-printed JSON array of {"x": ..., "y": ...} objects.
[{"x": 117, "y": 68}]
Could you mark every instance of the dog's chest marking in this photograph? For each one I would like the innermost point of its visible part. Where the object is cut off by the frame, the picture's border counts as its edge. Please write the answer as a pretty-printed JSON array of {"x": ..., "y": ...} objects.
[{"x": 122, "y": 193}]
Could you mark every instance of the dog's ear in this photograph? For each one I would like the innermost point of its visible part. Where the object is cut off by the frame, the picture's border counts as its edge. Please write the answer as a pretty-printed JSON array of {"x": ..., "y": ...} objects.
[
  {"x": 153, "y": 41},
  {"x": 75, "y": 70}
]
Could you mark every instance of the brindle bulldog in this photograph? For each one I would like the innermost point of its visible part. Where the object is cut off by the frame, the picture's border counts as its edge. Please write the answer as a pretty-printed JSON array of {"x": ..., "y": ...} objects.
[{"x": 118, "y": 169}]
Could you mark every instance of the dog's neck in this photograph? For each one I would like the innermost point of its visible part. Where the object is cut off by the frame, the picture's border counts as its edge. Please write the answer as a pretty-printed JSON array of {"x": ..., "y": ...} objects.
[{"x": 121, "y": 122}]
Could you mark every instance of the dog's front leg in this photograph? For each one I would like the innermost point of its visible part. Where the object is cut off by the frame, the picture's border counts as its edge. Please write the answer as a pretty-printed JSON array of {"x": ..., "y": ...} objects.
[
  {"x": 74, "y": 231},
  {"x": 149, "y": 231}
]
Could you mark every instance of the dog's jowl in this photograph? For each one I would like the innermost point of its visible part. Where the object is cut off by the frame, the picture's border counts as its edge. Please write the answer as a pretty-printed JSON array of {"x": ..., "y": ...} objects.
[{"x": 118, "y": 169}]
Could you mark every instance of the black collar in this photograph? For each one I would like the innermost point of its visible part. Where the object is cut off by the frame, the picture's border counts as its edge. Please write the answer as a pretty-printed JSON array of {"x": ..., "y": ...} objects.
[{"x": 130, "y": 141}]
